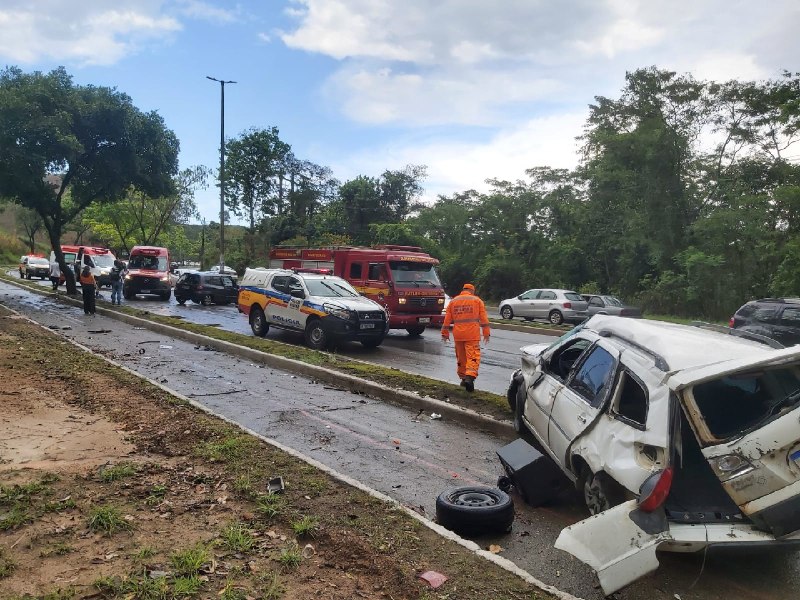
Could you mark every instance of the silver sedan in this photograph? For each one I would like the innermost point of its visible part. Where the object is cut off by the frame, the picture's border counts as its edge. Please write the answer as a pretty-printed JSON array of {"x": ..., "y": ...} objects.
[{"x": 554, "y": 305}]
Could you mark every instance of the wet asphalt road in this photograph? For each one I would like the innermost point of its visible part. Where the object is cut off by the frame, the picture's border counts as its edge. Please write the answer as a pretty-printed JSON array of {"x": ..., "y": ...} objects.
[
  {"x": 424, "y": 355},
  {"x": 404, "y": 455}
]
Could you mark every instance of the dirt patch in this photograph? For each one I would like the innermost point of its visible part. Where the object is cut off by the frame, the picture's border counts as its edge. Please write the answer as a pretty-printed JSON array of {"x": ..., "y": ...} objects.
[{"x": 112, "y": 488}]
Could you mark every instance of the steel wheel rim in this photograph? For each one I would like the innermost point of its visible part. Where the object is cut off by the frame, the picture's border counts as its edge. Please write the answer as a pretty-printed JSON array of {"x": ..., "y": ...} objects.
[{"x": 474, "y": 499}]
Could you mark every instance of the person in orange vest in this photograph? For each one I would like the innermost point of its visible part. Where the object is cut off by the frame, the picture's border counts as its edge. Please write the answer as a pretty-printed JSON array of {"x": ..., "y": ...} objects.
[
  {"x": 466, "y": 314},
  {"x": 88, "y": 287}
]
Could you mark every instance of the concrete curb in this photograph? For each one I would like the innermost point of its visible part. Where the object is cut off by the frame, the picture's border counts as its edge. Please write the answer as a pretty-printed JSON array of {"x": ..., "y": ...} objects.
[
  {"x": 354, "y": 384},
  {"x": 500, "y": 561}
]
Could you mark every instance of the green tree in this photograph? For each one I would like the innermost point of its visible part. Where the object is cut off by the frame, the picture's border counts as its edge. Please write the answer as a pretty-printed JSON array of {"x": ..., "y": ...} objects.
[
  {"x": 92, "y": 138},
  {"x": 31, "y": 224}
]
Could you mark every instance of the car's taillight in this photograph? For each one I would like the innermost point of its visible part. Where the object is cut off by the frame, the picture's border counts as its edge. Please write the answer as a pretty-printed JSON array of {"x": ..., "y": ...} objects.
[
  {"x": 567, "y": 304},
  {"x": 655, "y": 489},
  {"x": 199, "y": 287},
  {"x": 731, "y": 323}
]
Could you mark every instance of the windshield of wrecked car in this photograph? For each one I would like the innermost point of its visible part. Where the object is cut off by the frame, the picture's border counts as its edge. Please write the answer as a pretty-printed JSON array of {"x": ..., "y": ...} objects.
[
  {"x": 330, "y": 288},
  {"x": 735, "y": 404},
  {"x": 419, "y": 274}
]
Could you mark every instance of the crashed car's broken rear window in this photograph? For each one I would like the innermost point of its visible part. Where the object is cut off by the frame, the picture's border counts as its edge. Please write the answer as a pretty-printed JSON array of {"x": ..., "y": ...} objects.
[{"x": 737, "y": 403}]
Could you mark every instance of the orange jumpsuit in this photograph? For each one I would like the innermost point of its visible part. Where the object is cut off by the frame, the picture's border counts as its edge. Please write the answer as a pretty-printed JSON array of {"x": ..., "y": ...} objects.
[{"x": 467, "y": 314}]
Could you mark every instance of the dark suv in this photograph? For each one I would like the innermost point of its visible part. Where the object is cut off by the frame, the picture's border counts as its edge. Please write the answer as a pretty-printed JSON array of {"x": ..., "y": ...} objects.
[
  {"x": 777, "y": 318},
  {"x": 206, "y": 287}
]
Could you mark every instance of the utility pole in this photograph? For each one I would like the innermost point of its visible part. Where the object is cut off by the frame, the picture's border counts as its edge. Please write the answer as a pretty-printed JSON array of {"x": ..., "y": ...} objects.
[{"x": 221, "y": 173}]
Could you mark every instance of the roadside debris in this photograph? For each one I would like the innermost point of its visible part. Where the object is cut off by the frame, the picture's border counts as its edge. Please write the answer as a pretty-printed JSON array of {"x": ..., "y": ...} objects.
[
  {"x": 275, "y": 485},
  {"x": 435, "y": 416},
  {"x": 433, "y": 578},
  {"x": 98, "y": 331}
]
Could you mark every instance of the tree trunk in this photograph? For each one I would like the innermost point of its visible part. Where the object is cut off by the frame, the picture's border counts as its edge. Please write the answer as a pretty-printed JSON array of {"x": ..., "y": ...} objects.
[{"x": 54, "y": 233}]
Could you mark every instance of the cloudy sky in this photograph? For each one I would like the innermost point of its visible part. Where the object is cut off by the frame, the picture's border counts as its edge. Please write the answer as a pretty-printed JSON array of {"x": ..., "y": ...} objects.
[{"x": 470, "y": 88}]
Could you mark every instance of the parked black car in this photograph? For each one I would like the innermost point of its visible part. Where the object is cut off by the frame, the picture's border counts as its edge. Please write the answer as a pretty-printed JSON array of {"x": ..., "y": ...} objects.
[
  {"x": 777, "y": 318},
  {"x": 206, "y": 287},
  {"x": 603, "y": 304}
]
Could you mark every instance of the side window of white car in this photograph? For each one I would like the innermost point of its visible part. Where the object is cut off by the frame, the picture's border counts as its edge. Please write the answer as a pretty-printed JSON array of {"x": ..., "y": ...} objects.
[
  {"x": 594, "y": 376},
  {"x": 631, "y": 401}
]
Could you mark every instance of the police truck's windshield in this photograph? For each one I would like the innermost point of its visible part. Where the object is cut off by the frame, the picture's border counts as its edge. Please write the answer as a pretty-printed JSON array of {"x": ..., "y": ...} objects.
[
  {"x": 419, "y": 274},
  {"x": 330, "y": 288}
]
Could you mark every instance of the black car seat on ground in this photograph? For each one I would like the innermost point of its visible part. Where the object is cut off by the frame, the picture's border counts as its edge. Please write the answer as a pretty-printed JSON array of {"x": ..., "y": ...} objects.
[{"x": 475, "y": 510}]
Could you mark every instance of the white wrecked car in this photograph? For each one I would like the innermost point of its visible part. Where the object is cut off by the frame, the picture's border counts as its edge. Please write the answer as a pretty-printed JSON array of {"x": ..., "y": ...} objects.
[{"x": 679, "y": 436}]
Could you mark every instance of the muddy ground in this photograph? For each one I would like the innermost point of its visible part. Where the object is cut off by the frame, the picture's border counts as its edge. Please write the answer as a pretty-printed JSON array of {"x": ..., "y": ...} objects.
[{"x": 112, "y": 488}]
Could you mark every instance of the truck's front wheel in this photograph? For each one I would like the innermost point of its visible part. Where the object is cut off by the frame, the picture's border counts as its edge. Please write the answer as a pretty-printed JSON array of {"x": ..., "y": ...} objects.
[
  {"x": 258, "y": 322},
  {"x": 316, "y": 337}
]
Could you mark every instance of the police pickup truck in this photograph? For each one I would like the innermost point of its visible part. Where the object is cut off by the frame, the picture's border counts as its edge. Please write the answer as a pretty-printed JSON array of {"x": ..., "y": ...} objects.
[{"x": 325, "y": 308}]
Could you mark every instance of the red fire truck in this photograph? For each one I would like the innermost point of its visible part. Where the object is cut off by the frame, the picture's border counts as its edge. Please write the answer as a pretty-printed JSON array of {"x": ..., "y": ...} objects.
[{"x": 402, "y": 279}]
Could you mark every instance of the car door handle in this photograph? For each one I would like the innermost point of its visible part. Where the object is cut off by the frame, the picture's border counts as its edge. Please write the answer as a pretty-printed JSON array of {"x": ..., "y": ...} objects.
[{"x": 582, "y": 419}]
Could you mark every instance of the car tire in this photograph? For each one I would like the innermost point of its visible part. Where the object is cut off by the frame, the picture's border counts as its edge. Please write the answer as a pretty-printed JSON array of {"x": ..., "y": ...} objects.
[
  {"x": 416, "y": 330},
  {"x": 128, "y": 295},
  {"x": 258, "y": 322},
  {"x": 165, "y": 295},
  {"x": 28, "y": 276},
  {"x": 507, "y": 312},
  {"x": 555, "y": 317},
  {"x": 475, "y": 510},
  {"x": 180, "y": 301},
  {"x": 315, "y": 335},
  {"x": 600, "y": 491},
  {"x": 207, "y": 299}
]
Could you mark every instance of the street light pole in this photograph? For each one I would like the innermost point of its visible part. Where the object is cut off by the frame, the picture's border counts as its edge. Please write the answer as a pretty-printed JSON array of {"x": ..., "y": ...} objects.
[{"x": 221, "y": 173}]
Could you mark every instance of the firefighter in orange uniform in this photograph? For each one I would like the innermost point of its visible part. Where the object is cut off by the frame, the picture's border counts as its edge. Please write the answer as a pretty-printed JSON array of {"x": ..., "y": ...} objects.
[{"x": 467, "y": 314}]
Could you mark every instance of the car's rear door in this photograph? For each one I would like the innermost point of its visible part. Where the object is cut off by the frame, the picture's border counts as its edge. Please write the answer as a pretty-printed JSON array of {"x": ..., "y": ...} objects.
[
  {"x": 787, "y": 330},
  {"x": 541, "y": 306},
  {"x": 581, "y": 400}
]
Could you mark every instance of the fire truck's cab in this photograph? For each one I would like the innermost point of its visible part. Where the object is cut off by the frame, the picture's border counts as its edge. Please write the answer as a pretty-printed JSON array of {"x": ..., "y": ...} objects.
[{"x": 402, "y": 279}]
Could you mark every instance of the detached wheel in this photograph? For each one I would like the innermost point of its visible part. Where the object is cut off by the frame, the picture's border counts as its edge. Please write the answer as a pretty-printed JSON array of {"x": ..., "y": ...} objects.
[
  {"x": 415, "y": 331},
  {"x": 475, "y": 510},
  {"x": 555, "y": 317},
  {"x": 507, "y": 313},
  {"x": 316, "y": 337},
  {"x": 601, "y": 492},
  {"x": 258, "y": 322}
]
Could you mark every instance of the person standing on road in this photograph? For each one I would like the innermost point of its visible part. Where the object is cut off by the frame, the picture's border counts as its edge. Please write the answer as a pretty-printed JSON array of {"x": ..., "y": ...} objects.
[
  {"x": 55, "y": 275},
  {"x": 115, "y": 275},
  {"x": 467, "y": 314},
  {"x": 88, "y": 287}
]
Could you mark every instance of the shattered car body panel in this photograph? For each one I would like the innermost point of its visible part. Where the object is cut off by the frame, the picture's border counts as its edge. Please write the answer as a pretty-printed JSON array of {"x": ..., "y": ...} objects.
[
  {"x": 621, "y": 548},
  {"x": 720, "y": 413}
]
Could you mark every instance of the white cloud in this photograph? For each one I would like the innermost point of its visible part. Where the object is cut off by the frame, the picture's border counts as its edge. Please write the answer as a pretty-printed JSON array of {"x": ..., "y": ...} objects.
[
  {"x": 84, "y": 32},
  {"x": 197, "y": 9},
  {"x": 458, "y": 165},
  {"x": 422, "y": 63}
]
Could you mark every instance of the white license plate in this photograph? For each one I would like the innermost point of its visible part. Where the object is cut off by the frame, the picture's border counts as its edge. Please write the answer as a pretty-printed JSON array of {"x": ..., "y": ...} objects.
[
  {"x": 424, "y": 320},
  {"x": 144, "y": 291},
  {"x": 368, "y": 326}
]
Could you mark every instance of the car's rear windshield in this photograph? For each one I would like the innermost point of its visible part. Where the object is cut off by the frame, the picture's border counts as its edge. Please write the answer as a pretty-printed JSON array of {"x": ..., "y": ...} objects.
[
  {"x": 331, "y": 288},
  {"x": 574, "y": 296},
  {"x": 736, "y": 404}
]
